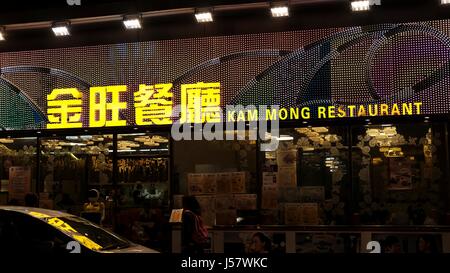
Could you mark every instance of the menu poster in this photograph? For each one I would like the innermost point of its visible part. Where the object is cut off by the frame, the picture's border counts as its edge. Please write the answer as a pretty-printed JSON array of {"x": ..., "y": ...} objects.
[
  {"x": 223, "y": 183},
  {"x": 293, "y": 213},
  {"x": 19, "y": 183},
  {"x": 287, "y": 158},
  {"x": 287, "y": 177},
  {"x": 208, "y": 208},
  {"x": 195, "y": 184},
  {"x": 176, "y": 216},
  {"x": 209, "y": 183},
  {"x": 226, "y": 217},
  {"x": 312, "y": 194},
  {"x": 238, "y": 182},
  {"x": 269, "y": 197},
  {"x": 310, "y": 213},
  {"x": 269, "y": 178},
  {"x": 225, "y": 201},
  {"x": 245, "y": 201}
]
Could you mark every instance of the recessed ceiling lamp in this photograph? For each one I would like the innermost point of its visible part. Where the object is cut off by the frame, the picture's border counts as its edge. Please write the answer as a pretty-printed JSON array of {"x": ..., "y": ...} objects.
[
  {"x": 132, "y": 22},
  {"x": 360, "y": 5},
  {"x": 61, "y": 29},
  {"x": 203, "y": 16},
  {"x": 279, "y": 10},
  {"x": 2, "y": 34}
]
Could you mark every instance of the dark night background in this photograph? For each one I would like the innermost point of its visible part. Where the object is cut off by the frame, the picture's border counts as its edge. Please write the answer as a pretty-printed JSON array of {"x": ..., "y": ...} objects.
[{"x": 307, "y": 15}]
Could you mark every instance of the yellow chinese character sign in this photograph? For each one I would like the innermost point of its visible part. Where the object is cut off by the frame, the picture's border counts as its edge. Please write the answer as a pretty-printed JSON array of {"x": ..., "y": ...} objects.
[
  {"x": 200, "y": 102},
  {"x": 153, "y": 104},
  {"x": 100, "y": 107},
  {"x": 64, "y": 113}
]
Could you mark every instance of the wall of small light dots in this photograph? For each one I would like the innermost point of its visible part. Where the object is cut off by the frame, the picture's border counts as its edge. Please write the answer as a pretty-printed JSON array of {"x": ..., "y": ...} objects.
[{"x": 338, "y": 66}]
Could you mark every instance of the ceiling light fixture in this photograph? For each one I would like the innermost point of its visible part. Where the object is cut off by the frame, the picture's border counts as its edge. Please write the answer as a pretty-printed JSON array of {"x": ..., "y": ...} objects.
[
  {"x": 360, "y": 5},
  {"x": 132, "y": 22},
  {"x": 203, "y": 16},
  {"x": 2, "y": 34},
  {"x": 61, "y": 29},
  {"x": 279, "y": 10}
]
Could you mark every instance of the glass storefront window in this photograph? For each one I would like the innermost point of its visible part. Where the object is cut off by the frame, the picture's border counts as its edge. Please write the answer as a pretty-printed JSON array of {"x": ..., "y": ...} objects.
[
  {"x": 399, "y": 174},
  {"x": 143, "y": 169},
  {"x": 143, "y": 184},
  {"x": 73, "y": 165},
  {"x": 18, "y": 169},
  {"x": 222, "y": 175},
  {"x": 304, "y": 178}
]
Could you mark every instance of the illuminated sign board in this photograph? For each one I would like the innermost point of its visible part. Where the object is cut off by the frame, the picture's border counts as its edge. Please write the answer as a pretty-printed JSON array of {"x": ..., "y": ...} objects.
[
  {"x": 362, "y": 71},
  {"x": 153, "y": 105}
]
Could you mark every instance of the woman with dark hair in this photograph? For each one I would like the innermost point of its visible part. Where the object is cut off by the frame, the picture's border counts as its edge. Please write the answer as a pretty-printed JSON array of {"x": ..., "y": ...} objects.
[
  {"x": 191, "y": 203},
  {"x": 260, "y": 243},
  {"x": 194, "y": 233}
]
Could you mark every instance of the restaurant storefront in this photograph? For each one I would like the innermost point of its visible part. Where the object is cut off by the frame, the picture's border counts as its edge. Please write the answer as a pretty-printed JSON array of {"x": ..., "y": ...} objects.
[{"x": 362, "y": 145}]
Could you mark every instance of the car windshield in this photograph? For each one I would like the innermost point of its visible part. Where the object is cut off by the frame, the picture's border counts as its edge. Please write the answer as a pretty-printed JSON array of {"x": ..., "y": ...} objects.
[{"x": 88, "y": 234}]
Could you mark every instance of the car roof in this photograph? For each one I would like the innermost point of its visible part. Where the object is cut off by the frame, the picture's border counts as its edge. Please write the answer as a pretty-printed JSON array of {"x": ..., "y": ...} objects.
[{"x": 27, "y": 210}]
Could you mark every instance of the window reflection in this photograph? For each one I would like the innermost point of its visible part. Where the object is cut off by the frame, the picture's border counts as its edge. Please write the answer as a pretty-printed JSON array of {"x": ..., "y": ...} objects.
[
  {"x": 309, "y": 169},
  {"x": 71, "y": 166},
  {"x": 143, "y": 179},
  {"x": 18, "y": 167},
  {"x": 399, "y": 173},
  {"x": 221, "y": 174},
  {"x": 143, "y": 169}
]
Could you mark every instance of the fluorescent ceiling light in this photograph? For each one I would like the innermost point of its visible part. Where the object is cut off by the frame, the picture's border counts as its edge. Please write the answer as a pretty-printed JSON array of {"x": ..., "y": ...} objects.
[
  {"x": 279, "y": 11},
  {"x": 132, "y": 22},
  {"x": 203, "y": 17},
  {"x": 360, "y": 5},
  {"x": 61, "y": 29}
]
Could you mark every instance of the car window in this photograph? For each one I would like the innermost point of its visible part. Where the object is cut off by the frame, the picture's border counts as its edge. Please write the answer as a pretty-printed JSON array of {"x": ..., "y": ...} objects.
[
  {"x": 9, "y": 236},
  {"x": 93, "y": 236},
  {"x": 44, "y": 233},
  {"x": 24, "y": 233}
]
